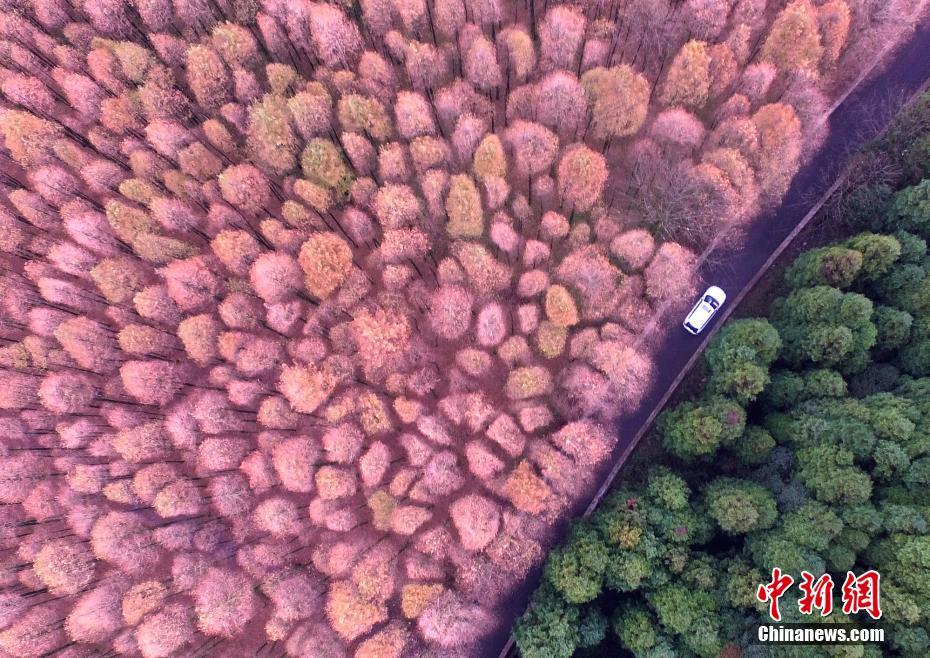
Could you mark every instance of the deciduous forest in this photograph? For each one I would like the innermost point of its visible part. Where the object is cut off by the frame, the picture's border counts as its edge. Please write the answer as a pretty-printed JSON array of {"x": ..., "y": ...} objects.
[{"x": 315, "y": 316}]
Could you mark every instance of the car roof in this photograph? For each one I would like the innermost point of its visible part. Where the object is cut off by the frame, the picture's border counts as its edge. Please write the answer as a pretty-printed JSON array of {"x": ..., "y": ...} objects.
[
  {"x": 716, "y": 293},
  {"x": 700, "y": 314}
]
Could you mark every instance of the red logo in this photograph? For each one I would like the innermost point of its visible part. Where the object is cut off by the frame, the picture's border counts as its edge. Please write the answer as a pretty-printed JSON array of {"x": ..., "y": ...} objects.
[
  {"x": 773, "y": 591},
  {"x": 859, "y": 593},
  {"x": 817, "y": 595}
]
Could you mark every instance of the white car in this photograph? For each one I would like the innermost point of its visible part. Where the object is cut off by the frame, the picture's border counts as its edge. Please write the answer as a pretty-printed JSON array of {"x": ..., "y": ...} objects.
[{"x": 705, "y": 309}]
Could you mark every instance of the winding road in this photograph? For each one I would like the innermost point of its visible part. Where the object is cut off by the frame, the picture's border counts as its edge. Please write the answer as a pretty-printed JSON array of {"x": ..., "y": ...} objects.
[{"x": 736, "y": 271}]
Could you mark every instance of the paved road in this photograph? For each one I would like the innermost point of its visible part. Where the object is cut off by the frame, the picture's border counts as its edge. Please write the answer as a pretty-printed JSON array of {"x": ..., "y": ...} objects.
[{"x": 734, "y": 270}]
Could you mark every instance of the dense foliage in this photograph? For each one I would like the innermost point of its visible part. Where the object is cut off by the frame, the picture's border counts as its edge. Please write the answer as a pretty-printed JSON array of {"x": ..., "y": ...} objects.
[
  {"x": 808, "y": 449},
  {"x": 315, "y": 314}
]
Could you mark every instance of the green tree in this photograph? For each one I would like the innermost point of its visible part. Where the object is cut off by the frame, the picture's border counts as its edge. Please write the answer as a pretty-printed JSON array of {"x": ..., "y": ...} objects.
[
  {"x": 910, "y": 209},
  {"x": 549, "y": 628},
  {"x": 914, "y": 358},
  {"x": 752, "y": 338},
  {"x": 828, "y": 266},
  {"x": 628, "y": 570},
  {"x": 755, "y": 446},
  {"x": 891, "y": 460},
  {"x": 879, "y": 253},
  {"x": 740, "y": 506},
  {"x": 904, "y": 562},
  {"x": 689, "y": 613},
  {"x": 636, "y": 627},
  {"x": 813, "y": 525},
  {"x": 829, "y": 472},
  {"x": 913, "y": 248},
  {"x": 668, "y": 490},
  {"x": 785, "y": 390},
  {"x": 739, "y": 582},
  {"x": 823, "y": 383},
  {"x": 903, "y": 519},
  {"x": 576, "y": 570},
  {"x": 739, "y": 358},
  {"x": 698, "y": 429},
  {"x": 826, "y": 327},
  {"x": 893, "y": 327},
  {"x": 592, "y": 627}
]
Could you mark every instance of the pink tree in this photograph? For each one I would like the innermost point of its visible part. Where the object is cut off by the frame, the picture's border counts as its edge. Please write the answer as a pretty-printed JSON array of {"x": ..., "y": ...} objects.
[
  {"x": 64, "y": 567},
  {"x": 581, "y": 177},
  {"x": 670, "y": 274},
  {"x": 688, "y": 79},
  {"x": 448, "y": 18},
  {"x": 588, "y": 271},
  {"x": 451, "y": 622},
  {"x": 37, "y": 632},
  {"x": 450, "y": 312},
  {"x": 560, "y": 102},
  {"x": 179, "y": 498},
  {"x": 521, "y": 52},
  {"x": 374, "y": 463},
  {"x": 756, "y": 81},
  {"x": 480, "y": 65},
  {"x": 141, "y": 443},
  {"x": 123, "y": 540},
  {"x": 414, "y": 117},
  {"x": 230, "y": 494},
  {"x": 395, "y": 206},
  {"x": 533, "y": 145},
  {"x": 336, "y": 40},
  {"x": 835, "y": 19},
  {"x": 326, "y": 260},
  {"x": 96, "y": 616},
  {"x": 151, "y": 382},
  {"x": 561, "y": 33},
  {"x": 427, "y": 66},
  {"x": 245, "y": 187},
  {"x": 275, "y": 276},
  {"x": 678, "y": 127},
  {"x": 350, "y": 614},
  {"x": 208, "y": 77},
  {"x": 270, "y": 137},
  {"x": 278, "y": 516},
  {"x": 793, "y": 41},
  {"x": 224, "y": 602},
  {"x": 476, "y": 519},
  {"x": 707, "y": 18},
  {"x": 633, "y": 249},
  {"x": 779, "y": 152},
  {"x": 167, "y": 631},
  {"x": 294, "y": 461},
  {"x": 190, "y": 282},
  {"x": 236, "y": 250},
  {"x": 66, "y": 393},
  {"x": 29, "y": 93}
]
